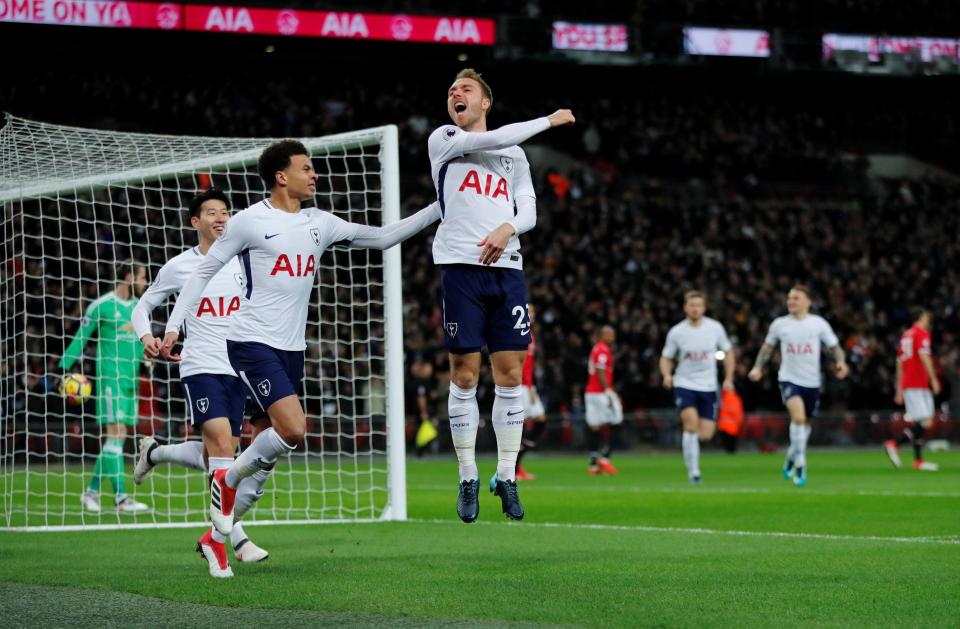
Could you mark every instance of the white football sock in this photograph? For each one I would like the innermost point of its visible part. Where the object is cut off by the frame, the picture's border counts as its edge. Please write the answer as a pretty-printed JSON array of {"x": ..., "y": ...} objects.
[
  {"x": 798, "y": 442},
  {"x": 188, "y": 454},
  {"x": 691, "y": 453},
  {"x": 464, "y": 421},
  {"x": 261, "y": 454},
  {"x": 236, "y": 533},
  {"x": 215, "y": 534},
  {"x": 508, "y": 417},
  {"x": 249, "y": 492},
  {"x": 219, "y": 463}
]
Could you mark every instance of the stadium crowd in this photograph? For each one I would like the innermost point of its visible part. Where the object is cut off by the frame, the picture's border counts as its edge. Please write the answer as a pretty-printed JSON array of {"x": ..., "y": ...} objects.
[{"x": 737, "y": 193}]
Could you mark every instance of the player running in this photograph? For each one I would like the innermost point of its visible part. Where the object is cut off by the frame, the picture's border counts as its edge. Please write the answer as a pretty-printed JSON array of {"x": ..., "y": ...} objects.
[
  {"x": 691, "y": 347},
  {"x": 486, "y": 201},
  {"x": 215, "y": 395},
  {"x": 117, "y": 380},
  {"x": 279, "y": 243},
  {"x": 915, "y": 377},
  {"x": 603, "y": 405},
  {"x": 800, "y": 335}
]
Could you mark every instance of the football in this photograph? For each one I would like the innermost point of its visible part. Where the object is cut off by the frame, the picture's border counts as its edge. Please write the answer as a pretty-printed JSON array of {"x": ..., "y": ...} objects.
[{"x": 75, "y": 388}]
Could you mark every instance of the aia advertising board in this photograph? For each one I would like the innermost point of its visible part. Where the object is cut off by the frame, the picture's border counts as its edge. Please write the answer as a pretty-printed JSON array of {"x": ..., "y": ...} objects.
[{"x": 252, "y": 20}]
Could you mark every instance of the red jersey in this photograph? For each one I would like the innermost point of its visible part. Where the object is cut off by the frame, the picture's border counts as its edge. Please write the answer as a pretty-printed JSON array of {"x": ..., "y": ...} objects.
[
  {"x": 601, "y": 357},
  {"x": 914, "y": 343},
  {"x": 528, "y": 361}
]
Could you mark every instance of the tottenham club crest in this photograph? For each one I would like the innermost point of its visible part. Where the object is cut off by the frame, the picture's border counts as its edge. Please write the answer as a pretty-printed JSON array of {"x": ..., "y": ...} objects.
[
  {"x": 315, "y": 234},
  {"x": 239, "y": 278},
  {"x": 203, "y": 404},
  {"x": 264, "y": 388},
  {"x": 451, "y": 329},
  {"x": 507, "y": 163}
]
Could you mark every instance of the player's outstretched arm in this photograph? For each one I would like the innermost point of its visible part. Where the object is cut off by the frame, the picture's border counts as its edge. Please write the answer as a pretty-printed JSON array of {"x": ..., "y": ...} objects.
[
  {"x": 729, "y": 368},
  {"x": 840, "y": 358},
  {"x": 766, "y": 351},
  {"x": 449, "y": 142},
  {"x": 369, "y": 237},
  {"x": 666, "y": 372},
  {"x": 159, "y": 290},
  {"x": 187, "y": 302}
]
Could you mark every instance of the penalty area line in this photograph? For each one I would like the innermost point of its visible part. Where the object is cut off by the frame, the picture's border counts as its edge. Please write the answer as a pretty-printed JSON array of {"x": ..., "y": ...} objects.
[{"x": 727, "y": 532}]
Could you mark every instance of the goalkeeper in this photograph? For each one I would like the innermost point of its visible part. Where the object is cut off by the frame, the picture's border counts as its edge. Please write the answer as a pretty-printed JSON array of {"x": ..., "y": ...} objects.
[{"x": 117, "y": 379}]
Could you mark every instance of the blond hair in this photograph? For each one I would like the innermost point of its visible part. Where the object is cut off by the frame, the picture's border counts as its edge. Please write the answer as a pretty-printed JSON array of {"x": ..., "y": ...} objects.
[
  {"x": 694, "y": 294},
  {"x": 470, "y": 73}
]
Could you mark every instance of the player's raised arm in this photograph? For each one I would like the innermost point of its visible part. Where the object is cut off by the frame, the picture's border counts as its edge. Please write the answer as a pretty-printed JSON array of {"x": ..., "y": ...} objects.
[
  {"x": 449, "y": 141},
  {"x": 165, "y": 284},
  {"x": 370, "y": 237}
]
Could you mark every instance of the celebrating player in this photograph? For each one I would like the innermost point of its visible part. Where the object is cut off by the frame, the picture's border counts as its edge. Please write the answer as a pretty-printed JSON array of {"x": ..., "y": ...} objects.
[
  {"x": 486, "y": 201},
  {"x": 691, "y": 346},
  {"x": 915, "y": 377},
  {"x": 215, "y": 395},
  {"x": 279, "y": 243},
  {"x": 532, "y": 404},
  {"x": 604, "y": 407},
  {"x": 800, "y": 335},
  {"x": 118, "y": 378}
]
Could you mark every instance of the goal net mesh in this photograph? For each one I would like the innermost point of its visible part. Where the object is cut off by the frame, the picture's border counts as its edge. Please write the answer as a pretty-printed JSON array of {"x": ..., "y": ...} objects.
[{"x": 76, "y": 202}]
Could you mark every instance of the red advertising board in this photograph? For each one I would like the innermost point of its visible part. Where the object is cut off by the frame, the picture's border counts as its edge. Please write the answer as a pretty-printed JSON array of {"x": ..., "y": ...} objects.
[
  {"x": 213, "y": 18},
  {"x": 164, "y": 16}
]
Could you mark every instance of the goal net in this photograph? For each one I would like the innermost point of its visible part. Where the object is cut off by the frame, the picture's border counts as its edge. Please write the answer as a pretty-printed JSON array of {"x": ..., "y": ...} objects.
[{"x": 76, "y": 202}]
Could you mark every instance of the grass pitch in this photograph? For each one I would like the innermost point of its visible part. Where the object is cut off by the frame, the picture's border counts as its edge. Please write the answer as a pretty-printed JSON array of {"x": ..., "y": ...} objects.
[{"x": 862, "y": 545}]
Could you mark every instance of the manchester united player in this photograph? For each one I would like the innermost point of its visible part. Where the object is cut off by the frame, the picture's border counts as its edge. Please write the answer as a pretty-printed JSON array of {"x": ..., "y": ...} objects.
[
  {"x": 602, "y": 402},
  {"x": 487, "y": 201},
  {"x": 915, "y": 377},
  {"x": 800, "y": 335}
]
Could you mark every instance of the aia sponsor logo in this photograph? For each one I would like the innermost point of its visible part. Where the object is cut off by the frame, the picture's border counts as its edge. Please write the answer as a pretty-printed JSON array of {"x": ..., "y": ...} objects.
[
  {"x": 296, "y": 266},
  {"x": 218, "y": 306},
  {"x": 800, "y": 349},
  {"x": 697, "y": 356},
  {"x": 485, "y": 187}
]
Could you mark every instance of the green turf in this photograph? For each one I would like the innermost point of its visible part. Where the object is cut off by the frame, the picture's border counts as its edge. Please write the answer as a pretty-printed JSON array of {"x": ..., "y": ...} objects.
[{"x": 861, "y": 545}]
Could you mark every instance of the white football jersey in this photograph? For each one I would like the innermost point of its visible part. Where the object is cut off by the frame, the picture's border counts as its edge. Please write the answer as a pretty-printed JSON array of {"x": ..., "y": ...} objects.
[
  {"x": 279, "y": 253},
  {"x": 204, "y": 333},
  {"x": 694, "y": 348},
  {"x": 800, "y": 341},
  {"x": 477, "y": 192}
]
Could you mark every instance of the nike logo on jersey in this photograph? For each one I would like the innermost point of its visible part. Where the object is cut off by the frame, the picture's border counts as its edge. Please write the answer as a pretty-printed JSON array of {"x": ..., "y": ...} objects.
[
  {"x": 269, "y": 236},
  {"x": 525, "y": 332},
  {"x": 456, "y": 416},
  {"x": 509, "y": 414}
]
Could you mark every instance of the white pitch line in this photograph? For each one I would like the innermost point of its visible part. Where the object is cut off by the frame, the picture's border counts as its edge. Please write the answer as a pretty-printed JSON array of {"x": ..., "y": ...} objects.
[
  {"x": 723, "y": 490},
  {"x": 702, "y": 531}
]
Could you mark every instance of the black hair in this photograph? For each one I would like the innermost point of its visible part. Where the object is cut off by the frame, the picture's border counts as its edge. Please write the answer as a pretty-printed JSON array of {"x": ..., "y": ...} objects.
[
  {"x": 210, "y": 194},
  {"x": 276, "y": 157}
]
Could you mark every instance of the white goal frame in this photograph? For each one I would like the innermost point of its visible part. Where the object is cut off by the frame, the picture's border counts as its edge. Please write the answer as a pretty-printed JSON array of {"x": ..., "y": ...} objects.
[{"x": 24, "y": 181}]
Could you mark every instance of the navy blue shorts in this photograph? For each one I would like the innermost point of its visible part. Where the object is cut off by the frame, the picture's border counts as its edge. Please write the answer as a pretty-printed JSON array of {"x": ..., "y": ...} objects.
[
  {"x": 484, "y": 306},
  {"x": 704, "y": 401},
  {"x": 809, "y": 395},
  {"x": 215, "y": 395},
  {"x": 270, "y": 374}
]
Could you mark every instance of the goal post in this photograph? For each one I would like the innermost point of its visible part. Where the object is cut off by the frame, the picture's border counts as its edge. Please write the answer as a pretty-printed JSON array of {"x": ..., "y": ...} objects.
[{"x": 76, "y": 202}]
